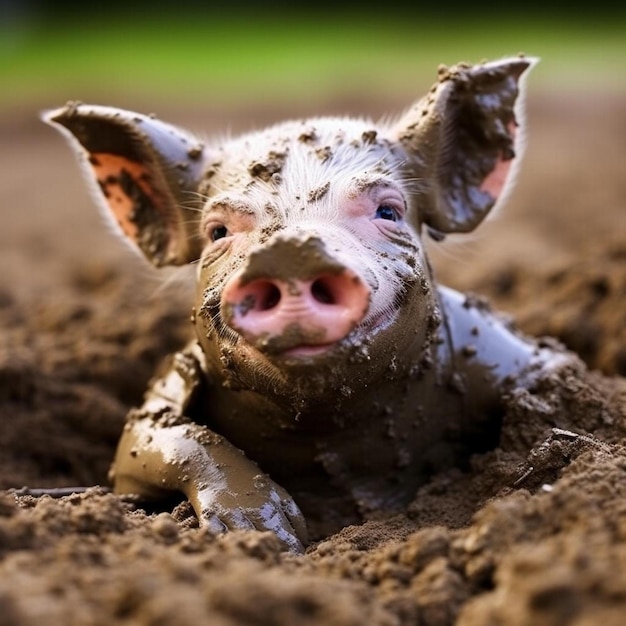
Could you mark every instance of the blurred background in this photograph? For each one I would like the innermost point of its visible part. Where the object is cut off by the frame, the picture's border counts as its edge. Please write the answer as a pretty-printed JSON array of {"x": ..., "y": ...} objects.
[{"x": 209, "y": 54}]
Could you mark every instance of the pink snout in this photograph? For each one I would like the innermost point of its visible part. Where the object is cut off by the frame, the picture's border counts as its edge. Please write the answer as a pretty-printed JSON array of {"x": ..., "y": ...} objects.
[{"x": 280, "y": 315}]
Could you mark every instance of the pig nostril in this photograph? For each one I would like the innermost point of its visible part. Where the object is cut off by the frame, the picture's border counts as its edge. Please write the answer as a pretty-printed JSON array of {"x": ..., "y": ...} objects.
[
  {"x": 322, "y": 292},
  {"x": 280, "y": 314},
  {"x": 269, "y": 296}
]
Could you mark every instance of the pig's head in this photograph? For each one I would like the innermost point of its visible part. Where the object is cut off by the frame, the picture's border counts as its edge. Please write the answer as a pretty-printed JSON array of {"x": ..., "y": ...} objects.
[{"x": 311, "y": 271}]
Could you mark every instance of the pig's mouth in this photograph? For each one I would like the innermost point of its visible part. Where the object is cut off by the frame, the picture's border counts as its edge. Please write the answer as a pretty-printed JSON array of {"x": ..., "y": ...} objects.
[
  {"x": 300, "y": 344},
  {"x": 296, "y": 341},
  {"x": 305, "y": 351}
]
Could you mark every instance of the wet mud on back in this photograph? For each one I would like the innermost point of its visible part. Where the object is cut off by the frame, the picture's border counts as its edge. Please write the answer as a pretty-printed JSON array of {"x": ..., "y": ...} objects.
[{"x": 532, "y": 532}]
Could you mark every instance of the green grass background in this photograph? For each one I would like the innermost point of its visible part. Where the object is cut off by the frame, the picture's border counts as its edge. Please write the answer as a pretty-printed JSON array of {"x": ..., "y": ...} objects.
[{"x": 195, "y": 55}]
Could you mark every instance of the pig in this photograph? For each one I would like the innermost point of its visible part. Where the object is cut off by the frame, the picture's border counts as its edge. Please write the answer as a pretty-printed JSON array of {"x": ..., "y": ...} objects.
[{"x": 329, "y": 375}]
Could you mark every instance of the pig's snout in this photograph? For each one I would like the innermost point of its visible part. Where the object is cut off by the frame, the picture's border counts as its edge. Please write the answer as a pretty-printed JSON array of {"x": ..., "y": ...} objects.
[{"x": 280, "y": 314}]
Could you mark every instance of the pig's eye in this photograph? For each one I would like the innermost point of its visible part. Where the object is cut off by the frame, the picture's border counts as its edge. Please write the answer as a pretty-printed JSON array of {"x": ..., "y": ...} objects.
[
  {"x": 387, "y": 212},
  {"x": 219, "y": 232}
]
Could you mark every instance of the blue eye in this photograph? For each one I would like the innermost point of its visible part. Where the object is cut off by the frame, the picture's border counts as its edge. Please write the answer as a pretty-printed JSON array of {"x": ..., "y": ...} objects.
[
  {"x": 386, "y": 212},
  {"x": 219, "y": 232}
]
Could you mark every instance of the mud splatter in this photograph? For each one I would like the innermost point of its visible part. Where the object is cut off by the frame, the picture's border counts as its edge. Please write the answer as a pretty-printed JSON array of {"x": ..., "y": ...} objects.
[
  {"x": 271, "y": 166},
  {"x": 319, "y": 192}
]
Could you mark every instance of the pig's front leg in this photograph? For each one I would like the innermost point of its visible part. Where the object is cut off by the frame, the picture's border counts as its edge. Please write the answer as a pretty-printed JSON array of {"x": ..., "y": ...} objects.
[
  {"x": 227, "y": 490},
  {"x": 161, "y": 450}
]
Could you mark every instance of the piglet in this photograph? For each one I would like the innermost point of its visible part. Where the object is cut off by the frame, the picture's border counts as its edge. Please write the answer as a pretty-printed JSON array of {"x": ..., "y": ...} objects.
[{"x": 329, "y": 373}]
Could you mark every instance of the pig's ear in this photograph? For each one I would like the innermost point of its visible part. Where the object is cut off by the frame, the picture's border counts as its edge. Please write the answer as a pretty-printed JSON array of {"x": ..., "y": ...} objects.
[
  {"x": 145, "y": 173},
  {"x": 462, "y": 141}
]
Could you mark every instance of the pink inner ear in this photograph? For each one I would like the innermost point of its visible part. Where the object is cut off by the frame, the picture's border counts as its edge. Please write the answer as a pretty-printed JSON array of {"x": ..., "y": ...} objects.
[
  {"x": 109, "y": 169},
  {"x": 496, "y": 179},
  {"x": 494, "y": 182}
]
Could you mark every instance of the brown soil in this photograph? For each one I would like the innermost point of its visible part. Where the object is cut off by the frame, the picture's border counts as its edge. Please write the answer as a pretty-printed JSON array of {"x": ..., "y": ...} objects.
[{"x": 533, "y": 533}]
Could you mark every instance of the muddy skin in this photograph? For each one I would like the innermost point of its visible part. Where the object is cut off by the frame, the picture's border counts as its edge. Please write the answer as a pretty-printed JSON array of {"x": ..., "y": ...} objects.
[
  {"x": 414, "y": 383},
  {"x": 268, "y": 168},
  {"x": 308, "y": 258}
]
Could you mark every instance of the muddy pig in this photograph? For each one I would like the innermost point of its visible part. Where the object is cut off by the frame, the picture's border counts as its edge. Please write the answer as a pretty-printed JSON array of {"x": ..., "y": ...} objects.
[{"x": 329, "y": 374}]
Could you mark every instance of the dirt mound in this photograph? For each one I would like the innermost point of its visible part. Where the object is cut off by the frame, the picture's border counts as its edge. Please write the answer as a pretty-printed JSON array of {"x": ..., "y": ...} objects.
[
  {"x": 72, "y": 364},
  {"x": 586, "y": 298}
]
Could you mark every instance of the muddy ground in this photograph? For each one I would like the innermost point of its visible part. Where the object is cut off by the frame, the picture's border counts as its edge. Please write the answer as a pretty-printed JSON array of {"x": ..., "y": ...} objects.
[{"x": 513, "y": 539}]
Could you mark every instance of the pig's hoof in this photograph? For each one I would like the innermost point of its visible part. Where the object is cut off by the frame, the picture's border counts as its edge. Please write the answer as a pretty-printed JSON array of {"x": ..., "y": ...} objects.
[
  {"x": 268, "y": 507},
  {"x": 264, "y": 519}
]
